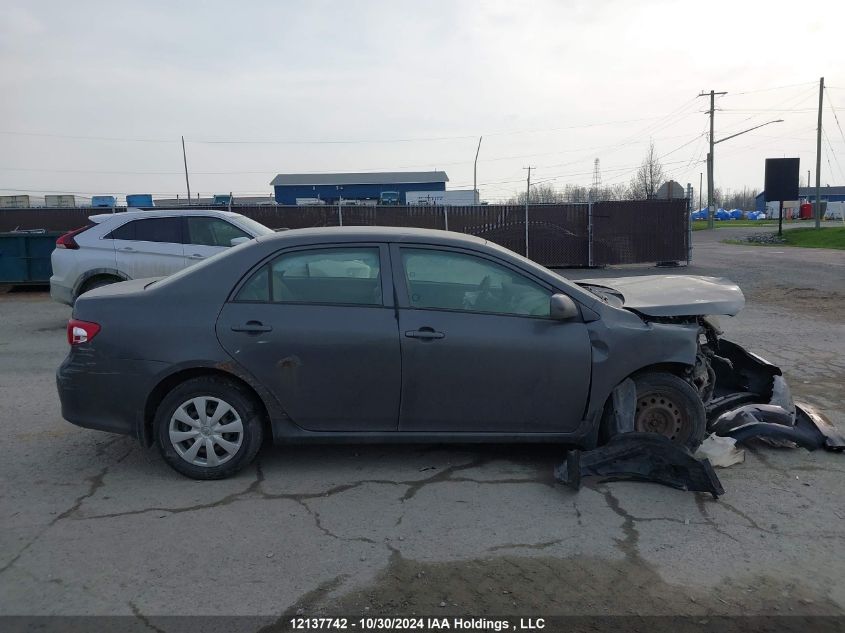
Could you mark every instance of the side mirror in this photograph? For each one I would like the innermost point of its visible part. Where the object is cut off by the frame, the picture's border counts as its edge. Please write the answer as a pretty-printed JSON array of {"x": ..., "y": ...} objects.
[
  {"x": 562, "y": 308},
  {"x": 238, "y": 240}
]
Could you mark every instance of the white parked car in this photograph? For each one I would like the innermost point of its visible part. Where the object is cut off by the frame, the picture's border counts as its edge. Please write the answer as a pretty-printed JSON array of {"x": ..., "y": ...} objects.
[{"x": 138, "y": 244}]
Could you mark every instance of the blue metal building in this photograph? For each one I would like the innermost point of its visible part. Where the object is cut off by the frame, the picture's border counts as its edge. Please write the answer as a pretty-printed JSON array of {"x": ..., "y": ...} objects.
[
  {"x": 808, "y": 194},
  {"x": 365, "y": 186}
]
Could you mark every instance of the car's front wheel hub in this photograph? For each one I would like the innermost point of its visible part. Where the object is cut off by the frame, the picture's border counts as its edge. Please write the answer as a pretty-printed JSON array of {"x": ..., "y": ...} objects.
[{"x": 658, "y": 414}]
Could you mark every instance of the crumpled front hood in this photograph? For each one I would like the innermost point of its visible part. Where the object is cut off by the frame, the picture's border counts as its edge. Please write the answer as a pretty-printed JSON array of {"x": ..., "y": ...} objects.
[{"x": 674, "y": 295}]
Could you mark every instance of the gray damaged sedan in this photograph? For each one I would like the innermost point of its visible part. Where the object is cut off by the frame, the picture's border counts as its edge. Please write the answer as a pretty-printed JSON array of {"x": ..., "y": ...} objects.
[{"x": 401, "y": 335}]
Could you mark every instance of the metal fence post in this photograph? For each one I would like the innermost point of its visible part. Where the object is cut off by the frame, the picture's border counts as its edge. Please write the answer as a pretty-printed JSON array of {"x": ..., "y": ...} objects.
[
  {"x": 526, "y": 226},
  {"x": 339, "y": 212},
  {"x": 689, "y": 238},
  {"x": 446, "y": 216},
  {"x": 590, "y": 233}
]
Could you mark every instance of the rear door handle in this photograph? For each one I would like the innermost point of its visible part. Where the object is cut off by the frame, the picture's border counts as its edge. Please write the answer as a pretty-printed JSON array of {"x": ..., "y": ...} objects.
[
  {"x": 128, "y": 249},
  {"x": 252, "y": 327},
  {"x": 424, "y": 333},
  {"x": 196, "y": 256}
]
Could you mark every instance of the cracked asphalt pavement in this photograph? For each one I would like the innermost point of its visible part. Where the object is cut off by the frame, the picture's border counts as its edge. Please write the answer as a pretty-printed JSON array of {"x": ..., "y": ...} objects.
[{"x": 94, "y": 524}]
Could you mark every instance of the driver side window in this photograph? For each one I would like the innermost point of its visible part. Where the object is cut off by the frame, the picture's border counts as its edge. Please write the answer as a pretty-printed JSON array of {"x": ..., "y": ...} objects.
[{"x": 447, "y": 280}]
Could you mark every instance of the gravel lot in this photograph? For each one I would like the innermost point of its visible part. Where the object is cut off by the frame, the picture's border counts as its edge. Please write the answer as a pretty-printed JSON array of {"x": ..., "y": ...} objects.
[{"x": 95, "y": 524}]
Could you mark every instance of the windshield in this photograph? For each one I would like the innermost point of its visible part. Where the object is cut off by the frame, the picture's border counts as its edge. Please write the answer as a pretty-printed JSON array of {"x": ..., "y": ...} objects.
[{"x": 254, "y": 227}]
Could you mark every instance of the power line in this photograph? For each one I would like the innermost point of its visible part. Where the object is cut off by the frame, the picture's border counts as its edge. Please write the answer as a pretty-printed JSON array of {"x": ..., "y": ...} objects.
[
  {"x": 835, "y": 116},
  {"x": 748, "y": 92},
  {"x": 206, "y": 141}
]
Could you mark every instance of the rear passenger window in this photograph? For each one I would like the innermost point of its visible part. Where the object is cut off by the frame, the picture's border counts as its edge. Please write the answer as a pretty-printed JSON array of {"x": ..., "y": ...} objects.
[
  {"x": 335, "y": 276},
  {"x": 150, "y": 230},
  {"x": 159, "y": 230},
  {"x": 257, "y": 288}
]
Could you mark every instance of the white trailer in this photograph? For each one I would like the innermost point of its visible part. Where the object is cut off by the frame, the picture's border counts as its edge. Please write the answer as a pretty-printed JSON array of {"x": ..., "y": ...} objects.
[
  {"x": 835, "y": 211},
  {"x": 62, "y": 201},
  {"x": 454, "y": 198},
  {"x": 425, "y": 198},
  {"x": 23, "y": 201}
]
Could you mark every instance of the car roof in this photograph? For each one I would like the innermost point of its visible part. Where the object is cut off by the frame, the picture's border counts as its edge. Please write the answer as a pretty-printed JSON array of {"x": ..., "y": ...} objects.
[
  {"x": 373, "y": 233},
  {"x": 158, "y": 213}
]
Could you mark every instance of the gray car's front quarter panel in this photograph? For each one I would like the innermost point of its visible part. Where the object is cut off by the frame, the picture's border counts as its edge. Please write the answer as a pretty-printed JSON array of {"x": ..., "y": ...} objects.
[{"x": 623, "y": 344}]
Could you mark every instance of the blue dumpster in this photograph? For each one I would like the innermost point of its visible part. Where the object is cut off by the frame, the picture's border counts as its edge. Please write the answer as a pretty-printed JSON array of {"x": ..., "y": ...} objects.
[
  {"x": 25, "y": 257},
  {"x": 139, "y": 200}
]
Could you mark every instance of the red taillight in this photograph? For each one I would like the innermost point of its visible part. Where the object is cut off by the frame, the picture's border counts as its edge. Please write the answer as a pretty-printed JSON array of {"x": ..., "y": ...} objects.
[
  {"x": 67, "y": 241},
  {"x": 81, "y": 331}
]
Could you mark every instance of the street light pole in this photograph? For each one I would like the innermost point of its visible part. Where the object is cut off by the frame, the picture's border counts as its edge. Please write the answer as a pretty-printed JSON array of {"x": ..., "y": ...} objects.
[
  {"x": 475, "y": 172},
  {"x": 711, "y": 211}
]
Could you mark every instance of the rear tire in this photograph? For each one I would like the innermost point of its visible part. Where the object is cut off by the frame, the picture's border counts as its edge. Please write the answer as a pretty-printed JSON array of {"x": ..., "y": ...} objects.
[
  {"x": 208, "y": 428},
  {"x": 98, "y": 282},
  {"x": 671, "y": 407}
]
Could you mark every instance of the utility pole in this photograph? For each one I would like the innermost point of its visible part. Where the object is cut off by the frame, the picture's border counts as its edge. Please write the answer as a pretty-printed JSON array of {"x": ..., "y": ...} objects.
[
  {"x": 527, "y": 198},
  {"x": 475, "y": 171},
  {"x": 818, "y": 207},
  {"x": 185, "y": 160},
  {"x": 711, "y": 210}
]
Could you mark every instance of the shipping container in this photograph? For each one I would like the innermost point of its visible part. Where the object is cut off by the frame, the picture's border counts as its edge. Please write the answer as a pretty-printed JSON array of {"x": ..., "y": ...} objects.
[{"x": 61, "y": 201}]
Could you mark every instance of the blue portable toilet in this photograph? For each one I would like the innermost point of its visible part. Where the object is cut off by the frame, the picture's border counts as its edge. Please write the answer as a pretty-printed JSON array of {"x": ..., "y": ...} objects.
[
  {"x": 736, "y": 214},
  {"x": 139, "y": 200},
  {"x": 103, "y": 201}
]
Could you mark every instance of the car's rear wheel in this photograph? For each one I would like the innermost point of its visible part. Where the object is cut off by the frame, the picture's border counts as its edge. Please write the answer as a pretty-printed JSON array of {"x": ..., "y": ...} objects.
[
  {"x": 208, "y": 428},
  {"x": 99, "y": 282},
  {"x": 669, "y": 406}
]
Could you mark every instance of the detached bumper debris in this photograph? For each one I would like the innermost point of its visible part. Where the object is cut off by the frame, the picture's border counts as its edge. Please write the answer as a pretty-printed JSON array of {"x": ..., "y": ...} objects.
[
  {"x": 743, "y": 382},
  {"x": 641, "y": 457},
  {"x": 774, "y": 425}
]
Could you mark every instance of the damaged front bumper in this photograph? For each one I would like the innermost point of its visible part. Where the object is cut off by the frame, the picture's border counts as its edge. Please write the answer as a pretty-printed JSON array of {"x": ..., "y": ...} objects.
[
  {"x": 751, "y": 399},
  {"x": 745, "y": 397}
]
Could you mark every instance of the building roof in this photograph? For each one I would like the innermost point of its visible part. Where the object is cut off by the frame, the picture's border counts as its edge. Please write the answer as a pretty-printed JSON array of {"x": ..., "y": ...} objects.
[
  {"x": 830, "y": 191},
  {"x": 803, "y": 192},
  {"x": 370, "y": 178}
]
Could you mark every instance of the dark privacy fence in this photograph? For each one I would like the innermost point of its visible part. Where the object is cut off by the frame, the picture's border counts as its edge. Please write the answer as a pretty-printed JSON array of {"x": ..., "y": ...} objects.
[{"x": 578, "y": 234}]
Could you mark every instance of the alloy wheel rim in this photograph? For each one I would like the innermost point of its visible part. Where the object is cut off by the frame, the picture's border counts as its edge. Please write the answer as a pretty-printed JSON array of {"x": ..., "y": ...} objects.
[{"x": 206, "y": 431}]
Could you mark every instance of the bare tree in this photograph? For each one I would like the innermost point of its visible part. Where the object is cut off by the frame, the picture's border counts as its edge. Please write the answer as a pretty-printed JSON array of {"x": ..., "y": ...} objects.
[
  {"x": 745, "y": 198},
  {"x": 649, "y": 177},
  {"x": 540, "y": 194}
]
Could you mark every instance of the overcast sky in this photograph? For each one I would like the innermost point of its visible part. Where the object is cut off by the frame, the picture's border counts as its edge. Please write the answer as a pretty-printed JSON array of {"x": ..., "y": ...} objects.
[{"x": 95, "y": 95}]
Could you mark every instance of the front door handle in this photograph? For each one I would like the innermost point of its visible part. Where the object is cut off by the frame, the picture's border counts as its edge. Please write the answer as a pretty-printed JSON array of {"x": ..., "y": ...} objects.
[
  {"x": 252, "y": 327},
  {"x": 424, "y": 333},
  {"x": 196, "y": 256}
]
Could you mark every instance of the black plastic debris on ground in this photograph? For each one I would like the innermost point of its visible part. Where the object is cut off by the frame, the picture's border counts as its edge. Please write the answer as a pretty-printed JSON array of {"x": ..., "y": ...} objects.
[
  {"x": 773, "y": 424},
  {"x": 641, "y": 457}
]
